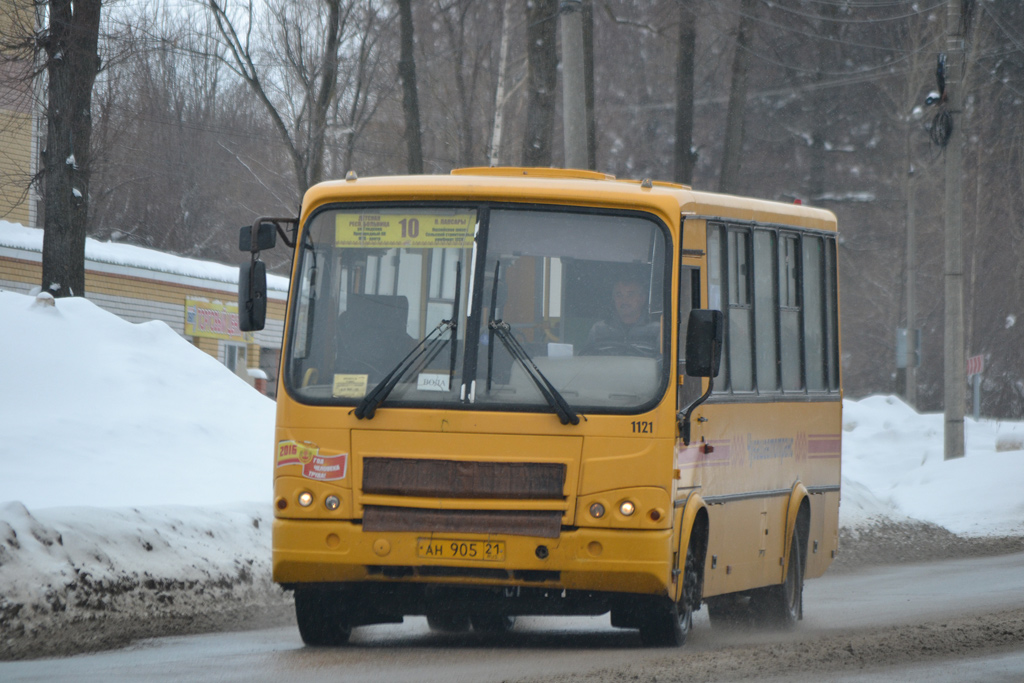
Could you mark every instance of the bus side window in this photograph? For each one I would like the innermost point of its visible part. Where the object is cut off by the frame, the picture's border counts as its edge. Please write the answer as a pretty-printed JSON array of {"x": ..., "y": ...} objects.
[{"x": 789, "y": 312}]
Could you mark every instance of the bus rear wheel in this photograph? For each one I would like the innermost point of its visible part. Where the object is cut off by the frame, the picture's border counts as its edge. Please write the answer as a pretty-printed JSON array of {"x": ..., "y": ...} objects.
[
  {"x": 783, "y": 605},
  {"x": 492, "y": 623},
  {"x": 321, "y": 617},
  {"x": 448, "y": 622}
]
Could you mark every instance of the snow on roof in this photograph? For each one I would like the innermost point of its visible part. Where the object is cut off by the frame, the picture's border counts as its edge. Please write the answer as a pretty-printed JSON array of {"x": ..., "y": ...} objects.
[{"x": 16, "y": 236}]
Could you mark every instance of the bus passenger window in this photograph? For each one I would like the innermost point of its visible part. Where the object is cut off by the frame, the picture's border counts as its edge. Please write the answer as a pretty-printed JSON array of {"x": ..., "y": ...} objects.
[
  {"x": 814, "y": 333},
  {"x": 740, "y": 313},
  {"x": 764, "y": 311},
  {"x": 715, "y": 286},
  {"x": 789, "y": 313}
]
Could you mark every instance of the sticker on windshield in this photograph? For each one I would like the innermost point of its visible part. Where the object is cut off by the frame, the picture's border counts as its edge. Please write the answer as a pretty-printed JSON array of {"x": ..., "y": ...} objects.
[
  {"x": 349, "y": 386},
  {"x": 413, "y": 230},
  {"x": 432, "y": 382}
]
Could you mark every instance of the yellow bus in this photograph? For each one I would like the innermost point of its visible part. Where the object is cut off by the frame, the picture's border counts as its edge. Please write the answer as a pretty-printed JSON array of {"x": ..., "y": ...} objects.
[{"x": 513, "y": 391}]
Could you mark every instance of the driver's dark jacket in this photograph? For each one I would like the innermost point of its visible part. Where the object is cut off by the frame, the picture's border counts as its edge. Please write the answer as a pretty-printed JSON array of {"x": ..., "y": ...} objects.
[{"x": 643, "y": 337}]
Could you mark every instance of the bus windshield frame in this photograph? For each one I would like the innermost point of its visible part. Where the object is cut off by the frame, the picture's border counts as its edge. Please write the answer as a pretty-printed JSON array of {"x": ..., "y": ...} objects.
[{"x": 383, "y": 289}]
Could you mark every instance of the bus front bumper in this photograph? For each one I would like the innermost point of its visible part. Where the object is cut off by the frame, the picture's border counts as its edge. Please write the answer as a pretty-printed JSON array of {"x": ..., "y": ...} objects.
[{"x": 612, "y": 560}]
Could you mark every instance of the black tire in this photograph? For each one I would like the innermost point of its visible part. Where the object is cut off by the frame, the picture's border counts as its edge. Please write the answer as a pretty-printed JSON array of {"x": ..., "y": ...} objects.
[
  {"x": 492, "y": 623},
  {"x": 729, "y": 611},
  {"x": 664, "y": 625},
  {"x": 448, "y": 622},
  {"x": 782, "y": 606},
  {"x": 321, "y": 617},
  {"x": 668, "y": 623}
]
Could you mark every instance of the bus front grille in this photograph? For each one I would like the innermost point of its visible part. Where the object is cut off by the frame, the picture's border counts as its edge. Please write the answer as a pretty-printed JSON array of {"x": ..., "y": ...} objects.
[
  {"x": 542, "y": 523},
  {"x": 435, "y": 478}
]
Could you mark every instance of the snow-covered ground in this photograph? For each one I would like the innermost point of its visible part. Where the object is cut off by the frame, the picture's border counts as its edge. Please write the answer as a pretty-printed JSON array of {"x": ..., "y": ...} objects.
[{"x": 131, "y": 463}]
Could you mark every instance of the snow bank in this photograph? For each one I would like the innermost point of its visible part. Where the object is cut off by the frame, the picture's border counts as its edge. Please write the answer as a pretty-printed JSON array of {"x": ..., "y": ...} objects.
[
  {"x": 893, "y": 467},
  {"x": 98, "y": 411},
  {"x": 85, "y": 578},
  {"x": 127, "y": 457}
]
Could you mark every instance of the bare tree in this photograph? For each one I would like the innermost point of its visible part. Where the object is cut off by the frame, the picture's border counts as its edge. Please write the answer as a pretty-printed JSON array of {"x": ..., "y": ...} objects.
[
  {"x": 364, "y": 86},
  {"x": 65, "y": 48},
  {"x": 410, "y": 97},
  {"x": 542, "y": 81},
  {"x": 728, "y": 180},
  {"x": 467, "y": 60},
  {"x": 289, "y": 53},
  {"x": 70, "y": 41},
  {"x": 684, "y": 157},
  {"x": 182, "y": 150}
]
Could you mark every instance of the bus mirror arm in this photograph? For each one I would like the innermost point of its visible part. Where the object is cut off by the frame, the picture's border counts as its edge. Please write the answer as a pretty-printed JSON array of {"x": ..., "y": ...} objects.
[{"x": 683, "y": 416}]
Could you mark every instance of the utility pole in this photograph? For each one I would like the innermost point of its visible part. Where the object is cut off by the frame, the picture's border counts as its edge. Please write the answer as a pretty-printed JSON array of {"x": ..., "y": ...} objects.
[
  {"x": 574, "y": 96},
  {"x": 953, "y": 364},
  {"x": 911, "y": 371}
]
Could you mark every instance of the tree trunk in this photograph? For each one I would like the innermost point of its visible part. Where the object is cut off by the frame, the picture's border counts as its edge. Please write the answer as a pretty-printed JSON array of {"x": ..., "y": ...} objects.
[
  {"x": 71, "y": 65},
  {"x": 410, "y": 99},
  {"x": 456, "y": 29},
  {"x": 499, "y": 90},
  {"x": 542, "y": 80},
  {"x": 825, "y": 103},
  {"x": 684, "y": 157},
  {"x": 729, "y": 180},
  {"x": 325, "y": 96}
]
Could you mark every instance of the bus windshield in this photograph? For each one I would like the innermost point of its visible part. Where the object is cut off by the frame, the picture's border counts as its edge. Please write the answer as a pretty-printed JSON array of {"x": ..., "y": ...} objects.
[{"x": 487, "y": 306}]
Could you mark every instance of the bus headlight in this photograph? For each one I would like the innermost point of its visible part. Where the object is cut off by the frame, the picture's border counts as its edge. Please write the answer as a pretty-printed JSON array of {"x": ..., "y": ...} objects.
[
  {"x": 332, "y": 502},
  {"x": 597, "y": 510},
  {"x": 627, "y": 508},
  {"x": 305, "y": 499}
]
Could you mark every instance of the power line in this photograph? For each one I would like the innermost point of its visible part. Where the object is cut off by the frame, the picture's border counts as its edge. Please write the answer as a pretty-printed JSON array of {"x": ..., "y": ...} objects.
[
  {"x": 815, "y": 36},
  {"x": 874, "y": 20}
]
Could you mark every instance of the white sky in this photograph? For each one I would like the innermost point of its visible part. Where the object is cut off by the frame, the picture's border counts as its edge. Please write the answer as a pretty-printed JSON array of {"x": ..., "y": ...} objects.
[{"x": 119, "y": 436}]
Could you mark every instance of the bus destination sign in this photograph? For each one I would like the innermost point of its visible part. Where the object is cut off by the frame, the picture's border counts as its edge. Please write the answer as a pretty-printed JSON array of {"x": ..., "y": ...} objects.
[{"x": 410, "y": 230}]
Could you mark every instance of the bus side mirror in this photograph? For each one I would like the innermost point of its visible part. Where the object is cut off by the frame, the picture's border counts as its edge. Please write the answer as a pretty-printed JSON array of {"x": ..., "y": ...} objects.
[
  {"x": 266, "y": 237},
  {"x": 705, "y": 331},
  {"x": 252, "y": 296},
  {"x": 704, "y": 334}
]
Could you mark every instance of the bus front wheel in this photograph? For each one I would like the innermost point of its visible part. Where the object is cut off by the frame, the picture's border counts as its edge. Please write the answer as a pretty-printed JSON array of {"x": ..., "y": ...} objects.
[
  {"x": 321, "y": 617},
  {"x": 668, "y": 623}
]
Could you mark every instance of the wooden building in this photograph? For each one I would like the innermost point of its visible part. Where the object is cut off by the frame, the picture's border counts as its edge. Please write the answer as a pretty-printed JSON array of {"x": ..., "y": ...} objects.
[{"x": 19, "y": 132}]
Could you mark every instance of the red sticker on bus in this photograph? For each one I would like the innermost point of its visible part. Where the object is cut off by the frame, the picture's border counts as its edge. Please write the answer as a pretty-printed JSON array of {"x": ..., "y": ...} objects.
[{"x": 326, "y": 467}]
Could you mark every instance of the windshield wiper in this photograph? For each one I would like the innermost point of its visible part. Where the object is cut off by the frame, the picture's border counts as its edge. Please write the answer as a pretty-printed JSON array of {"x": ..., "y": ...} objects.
[
  {"x": 422, "y": 354},
  {"x": 504, "y": 333},
  {"x": 490, "y": 322}
]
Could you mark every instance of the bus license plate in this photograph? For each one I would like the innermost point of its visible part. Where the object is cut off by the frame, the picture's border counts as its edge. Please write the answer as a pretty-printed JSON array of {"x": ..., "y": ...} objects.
[{"x": 452, "y": 549}]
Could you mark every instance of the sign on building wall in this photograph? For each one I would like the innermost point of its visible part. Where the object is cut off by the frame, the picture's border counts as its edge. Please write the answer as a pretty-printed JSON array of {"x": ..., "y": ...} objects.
[{"x": 214, "y": 319}]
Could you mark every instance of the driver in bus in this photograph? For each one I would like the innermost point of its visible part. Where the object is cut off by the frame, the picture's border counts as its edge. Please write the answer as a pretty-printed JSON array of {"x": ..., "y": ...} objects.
[{"x": 630, "y": 331}]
